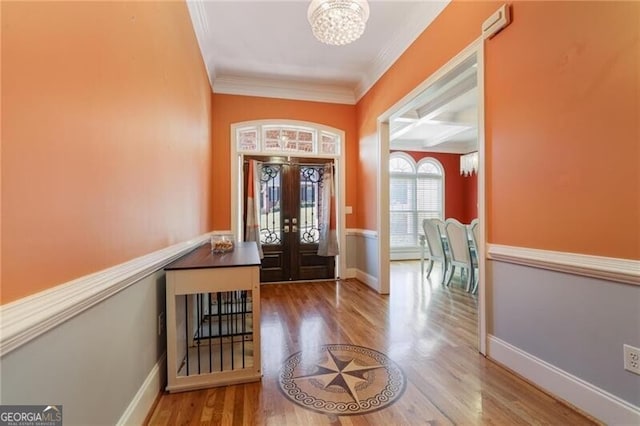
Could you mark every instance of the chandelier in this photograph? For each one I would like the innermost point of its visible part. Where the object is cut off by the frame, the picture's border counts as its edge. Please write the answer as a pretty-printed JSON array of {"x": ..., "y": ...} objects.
[
  {"x": 338, "y": 22},
  {"x": 469, "y": 163}
]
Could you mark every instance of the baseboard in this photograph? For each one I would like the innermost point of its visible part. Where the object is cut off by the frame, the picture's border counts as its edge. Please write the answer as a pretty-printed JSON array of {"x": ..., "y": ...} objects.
[
  {"x": 351, "y": 273},
  {"x": 369, "y": 280},
  {"x": 583, "y": 395},
  {"x": 143, "y": 401}
]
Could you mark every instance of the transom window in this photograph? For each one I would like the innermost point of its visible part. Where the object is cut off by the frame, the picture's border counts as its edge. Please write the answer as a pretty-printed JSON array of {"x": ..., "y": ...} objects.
[
  {"x": 416, "y": 192},
  {"x": 287, "y": 139}
]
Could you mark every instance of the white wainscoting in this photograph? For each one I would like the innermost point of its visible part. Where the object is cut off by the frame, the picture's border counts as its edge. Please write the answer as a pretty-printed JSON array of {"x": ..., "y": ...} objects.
[
  {"x": 607, "y": 268},
  {"x": 593, "y": 400},
  {"x": 360, "y": 271}
]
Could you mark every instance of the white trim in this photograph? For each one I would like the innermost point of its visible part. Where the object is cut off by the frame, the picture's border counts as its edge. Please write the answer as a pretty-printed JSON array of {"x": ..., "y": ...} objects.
[
  {"x": 366, "y": 233},
  {"x": 29, "y": 317},
  {"x": 142, "y": 402},
  {"x": 351, "y": 273},
  {"x": 369, "y": 280},
  {"x": 248, "y": 86},
  {"x": 482, "y": 205},
  {"x": 475, "y": 48},
  {"x": 586, "y": 396},
  {"x": 620, "y": 270},
  {"x": 383, "y": 215},
  {"x": 201, "y": 26}
]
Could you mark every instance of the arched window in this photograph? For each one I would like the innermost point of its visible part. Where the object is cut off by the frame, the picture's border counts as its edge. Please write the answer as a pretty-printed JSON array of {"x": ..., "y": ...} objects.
[
  {"x": 430, "y": 190},
  {"x": 416, "y": 192}
]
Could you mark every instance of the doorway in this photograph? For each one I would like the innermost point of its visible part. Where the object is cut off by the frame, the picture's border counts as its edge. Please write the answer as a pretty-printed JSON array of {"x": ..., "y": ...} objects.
[
  {"x": 285, "y": 139},
  {"x": 452, "y": 73},
  {"x": 290, "y": 202}
]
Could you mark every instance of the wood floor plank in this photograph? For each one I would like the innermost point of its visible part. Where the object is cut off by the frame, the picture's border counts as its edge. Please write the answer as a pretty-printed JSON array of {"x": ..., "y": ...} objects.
[{"x": 428, "y": 330}]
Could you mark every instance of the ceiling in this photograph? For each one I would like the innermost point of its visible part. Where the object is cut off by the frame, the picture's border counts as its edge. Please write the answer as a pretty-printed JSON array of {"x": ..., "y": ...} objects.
[
  {"x": 444, "y": 117},
  {"x": 266, "y": 48}
]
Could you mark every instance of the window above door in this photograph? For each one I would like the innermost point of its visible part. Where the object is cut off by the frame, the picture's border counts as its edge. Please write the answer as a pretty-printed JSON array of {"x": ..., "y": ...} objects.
[{"x": 287, "y": 139}]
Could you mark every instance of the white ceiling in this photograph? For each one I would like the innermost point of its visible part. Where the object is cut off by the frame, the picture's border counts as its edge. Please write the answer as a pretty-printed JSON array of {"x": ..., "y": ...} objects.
[
  {"x": 266, "y": 48},
  {"x": 444, "y": 117}
]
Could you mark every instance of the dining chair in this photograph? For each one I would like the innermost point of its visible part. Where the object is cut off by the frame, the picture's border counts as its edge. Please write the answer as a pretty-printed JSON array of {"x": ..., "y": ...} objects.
[
  {"x": 459, "y": 252},
  {"x": 475, "y": 253},
  {"x": 434, "y": 247}
]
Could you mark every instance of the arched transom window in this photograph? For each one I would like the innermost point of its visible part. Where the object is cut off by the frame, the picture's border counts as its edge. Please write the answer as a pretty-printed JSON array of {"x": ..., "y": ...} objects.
[{"x": 287, "y": 139}]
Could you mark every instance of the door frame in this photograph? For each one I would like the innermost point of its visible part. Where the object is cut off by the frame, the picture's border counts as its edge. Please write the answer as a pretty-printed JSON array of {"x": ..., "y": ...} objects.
[
  {"x": 383, "y": 215},
  {"x": 237, "y": 159}
]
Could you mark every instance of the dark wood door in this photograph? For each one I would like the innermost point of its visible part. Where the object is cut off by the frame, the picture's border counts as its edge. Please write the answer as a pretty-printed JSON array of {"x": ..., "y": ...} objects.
[{"x": 290, "y": 203}]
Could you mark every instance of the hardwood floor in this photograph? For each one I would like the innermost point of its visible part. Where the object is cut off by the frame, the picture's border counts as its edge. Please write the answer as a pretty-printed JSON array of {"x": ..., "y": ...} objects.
[{"x": 428, "y": 330}]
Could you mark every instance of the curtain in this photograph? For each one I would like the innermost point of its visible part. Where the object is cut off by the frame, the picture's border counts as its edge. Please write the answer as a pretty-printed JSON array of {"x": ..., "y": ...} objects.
[
  {"x": 252, "y": 224},
  {"x": 328, "y": 245}
]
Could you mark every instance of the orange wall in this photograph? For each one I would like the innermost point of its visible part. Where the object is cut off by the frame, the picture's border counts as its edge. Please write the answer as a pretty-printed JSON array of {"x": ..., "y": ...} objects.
[
  {"x": 563, "y": 114},
  {"x": 455, "y": 28},
  {"x": 105, "y": 137},
  {"x": 459, "y": 202},
  {"x": 234, "y": 108},
  {"x": 562, "y": 121}
]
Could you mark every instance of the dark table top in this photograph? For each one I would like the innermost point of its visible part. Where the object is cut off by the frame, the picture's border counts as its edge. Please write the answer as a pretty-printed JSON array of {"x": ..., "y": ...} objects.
[{"x": 243, "y": 254}]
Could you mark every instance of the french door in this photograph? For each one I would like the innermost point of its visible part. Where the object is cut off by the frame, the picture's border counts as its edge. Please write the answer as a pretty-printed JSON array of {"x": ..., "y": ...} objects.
[{"x": 290, "y": 202}]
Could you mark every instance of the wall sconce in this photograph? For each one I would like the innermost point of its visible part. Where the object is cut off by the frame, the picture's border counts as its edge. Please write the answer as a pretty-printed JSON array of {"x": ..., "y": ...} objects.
[{"x": 469, "y": 163}]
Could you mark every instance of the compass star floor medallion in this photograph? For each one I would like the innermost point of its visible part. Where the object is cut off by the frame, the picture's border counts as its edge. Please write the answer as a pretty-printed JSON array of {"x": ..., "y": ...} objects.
[{"x": 341, "y": 380}]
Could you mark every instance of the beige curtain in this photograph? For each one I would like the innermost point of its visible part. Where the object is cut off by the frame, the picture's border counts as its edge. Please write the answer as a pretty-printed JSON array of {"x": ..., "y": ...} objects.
[
  {"x": 328, "y": 245},
  {"x": 252, "y": 224}
]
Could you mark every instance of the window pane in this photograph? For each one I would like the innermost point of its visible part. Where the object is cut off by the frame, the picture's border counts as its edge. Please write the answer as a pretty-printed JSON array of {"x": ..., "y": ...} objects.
[
  {"x": 403, "y": 229},
  {"x": 429, "y": 167},
  {"x": 310, "y": 203},
  {"x": 402, "y": 193},
  {"x": 248, "y": 139},
  {"x": 400, "y": 165},
  {"x": 329, "y": 143}
]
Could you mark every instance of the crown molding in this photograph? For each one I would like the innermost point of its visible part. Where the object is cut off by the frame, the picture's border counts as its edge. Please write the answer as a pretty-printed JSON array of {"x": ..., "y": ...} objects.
[
  {"x": 201, "y": 29},
  {"x": 267, "y": 88},
  {"x": 404, "y": 37}
]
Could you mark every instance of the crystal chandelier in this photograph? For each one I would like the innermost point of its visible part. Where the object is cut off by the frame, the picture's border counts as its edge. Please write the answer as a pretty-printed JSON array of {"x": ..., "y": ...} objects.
[
  {"x": 338, "y": 22},
  {"x": 469, "y": 164}
]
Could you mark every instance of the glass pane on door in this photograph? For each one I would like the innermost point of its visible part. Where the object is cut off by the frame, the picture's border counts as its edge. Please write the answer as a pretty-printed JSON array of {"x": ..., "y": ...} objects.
[
  {"x": 270, "y": 204},
  {"x": 310, "y": 202}
]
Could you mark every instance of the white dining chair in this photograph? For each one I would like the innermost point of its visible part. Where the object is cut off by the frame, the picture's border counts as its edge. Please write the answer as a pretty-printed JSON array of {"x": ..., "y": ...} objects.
[
  {"x": 460, "y": 256},
  {"x": 434, "y": 249},
  {"x": 475, "y": 253}
]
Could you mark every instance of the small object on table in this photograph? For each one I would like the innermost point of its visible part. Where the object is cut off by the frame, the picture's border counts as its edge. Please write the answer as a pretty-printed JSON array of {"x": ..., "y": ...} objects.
[{"x": 222, "y": 244}]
